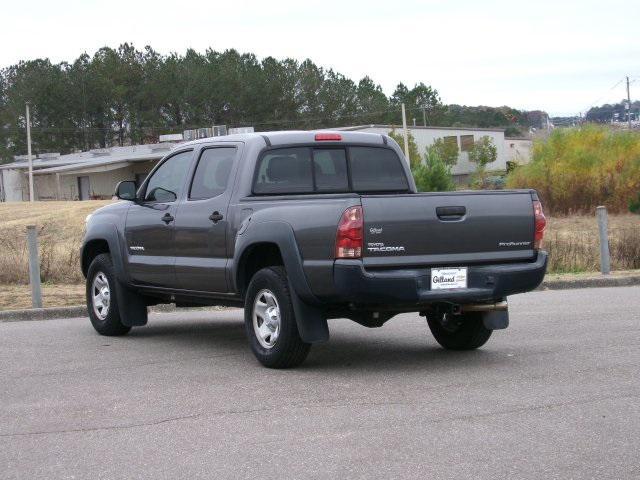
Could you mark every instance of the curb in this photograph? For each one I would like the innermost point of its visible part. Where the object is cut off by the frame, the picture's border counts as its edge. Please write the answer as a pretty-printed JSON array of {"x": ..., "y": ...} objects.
[
  {"x": 590, "y": 282},
  {"x": 42, "y": 313},
  {"x": 81, "y": 310}
]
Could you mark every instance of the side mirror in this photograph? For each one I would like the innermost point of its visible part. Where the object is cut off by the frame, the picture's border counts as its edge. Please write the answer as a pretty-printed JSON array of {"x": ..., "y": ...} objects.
[{"x": 126, "y": 190}]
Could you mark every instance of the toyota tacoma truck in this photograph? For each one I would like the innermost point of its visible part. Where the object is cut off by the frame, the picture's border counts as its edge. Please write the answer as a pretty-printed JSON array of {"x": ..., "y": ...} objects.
[{"x": 301, "y": 227}]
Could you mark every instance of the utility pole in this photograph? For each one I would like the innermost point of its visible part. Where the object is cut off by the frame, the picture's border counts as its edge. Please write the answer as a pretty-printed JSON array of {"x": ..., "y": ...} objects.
[
  {"x": 628, "y": 105},
  {"x": 29, "y": 158},
  {"x": 424, "y": 116},
  {"x": 406, "y": 134}
]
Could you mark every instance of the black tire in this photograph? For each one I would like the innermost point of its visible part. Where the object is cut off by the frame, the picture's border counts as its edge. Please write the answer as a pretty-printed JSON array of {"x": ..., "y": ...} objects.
[
  {"x": 110, "y": 325},
  {"x": 459, "y": 332},
  {"x": 288, "y": 349}
]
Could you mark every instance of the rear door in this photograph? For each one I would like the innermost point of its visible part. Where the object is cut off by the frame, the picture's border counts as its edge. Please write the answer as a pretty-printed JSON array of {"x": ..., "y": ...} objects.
[
  {"x": 456, "y": 228},
  {"x": 201, "y": 223},
  {"x": 149, "y": 228}
]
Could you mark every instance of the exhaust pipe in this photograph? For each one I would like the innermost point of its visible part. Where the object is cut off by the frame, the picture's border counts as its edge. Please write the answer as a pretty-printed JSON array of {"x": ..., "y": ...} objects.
[{"x": 485, "y": 307}]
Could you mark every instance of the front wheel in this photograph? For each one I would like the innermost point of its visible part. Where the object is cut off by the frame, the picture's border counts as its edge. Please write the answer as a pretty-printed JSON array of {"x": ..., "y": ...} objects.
[
  {"x": 459, "y": 332},
  {"x": 270, "y": 322},
  {"x": 102, "y": 300}
]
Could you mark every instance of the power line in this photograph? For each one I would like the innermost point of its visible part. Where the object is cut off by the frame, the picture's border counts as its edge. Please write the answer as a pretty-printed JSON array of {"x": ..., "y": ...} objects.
[{"x": 154, "y": 128}]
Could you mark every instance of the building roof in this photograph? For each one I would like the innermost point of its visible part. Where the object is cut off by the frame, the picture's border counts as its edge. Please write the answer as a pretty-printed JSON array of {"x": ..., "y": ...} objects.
[
  {"x": 96, "y": 157},
  {"x": 418, "y": 127}
]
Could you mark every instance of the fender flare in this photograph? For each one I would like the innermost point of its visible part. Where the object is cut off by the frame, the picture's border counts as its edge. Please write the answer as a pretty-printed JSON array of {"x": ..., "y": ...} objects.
[
  {"x": 131, "y": 306},
  {"x": 310, "y": 318},
  {"x": 107, "y": 232}
]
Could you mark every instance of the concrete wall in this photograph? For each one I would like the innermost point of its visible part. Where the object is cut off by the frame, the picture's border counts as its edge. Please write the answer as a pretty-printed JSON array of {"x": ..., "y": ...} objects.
[
  {"x": 426, "y": 136},
  {"x": 14, "y": 189},
  {"x": 519, "y": 150},
  {"x": 101, "y": 184}
]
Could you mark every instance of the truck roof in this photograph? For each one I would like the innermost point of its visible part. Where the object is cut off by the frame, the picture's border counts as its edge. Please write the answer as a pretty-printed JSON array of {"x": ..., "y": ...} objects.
[{"x": 288, "y": 137}]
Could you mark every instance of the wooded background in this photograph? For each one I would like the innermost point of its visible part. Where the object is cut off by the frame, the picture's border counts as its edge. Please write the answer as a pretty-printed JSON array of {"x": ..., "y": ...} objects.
[{"x": 128, "y": 96}]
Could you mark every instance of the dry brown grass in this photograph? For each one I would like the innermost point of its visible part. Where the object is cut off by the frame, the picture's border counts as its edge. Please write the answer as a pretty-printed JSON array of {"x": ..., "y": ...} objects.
[
  {"x": 60, "y": 228},
  {"x": 15, "y": 297},
  {"x": 571, "y": 241}
]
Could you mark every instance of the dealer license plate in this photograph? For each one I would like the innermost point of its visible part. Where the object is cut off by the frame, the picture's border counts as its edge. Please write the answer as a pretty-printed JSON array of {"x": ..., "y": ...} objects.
[{"x": 446, "y": 278}]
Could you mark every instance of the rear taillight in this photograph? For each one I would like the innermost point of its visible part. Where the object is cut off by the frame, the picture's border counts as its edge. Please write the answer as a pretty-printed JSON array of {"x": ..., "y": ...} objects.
[
  {"x": 350, "y": 234},
  {"x": 540, "y": 224}
]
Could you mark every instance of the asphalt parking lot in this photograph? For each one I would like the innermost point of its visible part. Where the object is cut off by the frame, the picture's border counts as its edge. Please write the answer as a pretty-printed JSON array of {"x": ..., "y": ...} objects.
[{"x": 557, "y": 395}]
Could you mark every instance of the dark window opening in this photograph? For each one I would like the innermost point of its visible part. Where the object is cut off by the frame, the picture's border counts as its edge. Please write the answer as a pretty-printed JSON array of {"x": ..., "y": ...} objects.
[
  {"x": 376, "y": 170},
  {"x": 328, "y": 170},
  {"x": 466, "y": 142}
]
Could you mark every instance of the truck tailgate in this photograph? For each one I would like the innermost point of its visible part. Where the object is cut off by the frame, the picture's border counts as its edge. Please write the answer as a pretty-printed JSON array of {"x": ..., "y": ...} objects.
[{"x": 449, "y": 228}]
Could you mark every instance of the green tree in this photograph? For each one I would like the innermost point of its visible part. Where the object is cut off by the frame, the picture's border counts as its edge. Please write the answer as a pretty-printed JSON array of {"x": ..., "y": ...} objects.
[
  {"x": 420, "y": 97},
  {"x": 447, "y": 152},
  {"x": 414, "y": 156},
  {"x": 482, "y": 152},
  {"x": 434, "y": 175}
]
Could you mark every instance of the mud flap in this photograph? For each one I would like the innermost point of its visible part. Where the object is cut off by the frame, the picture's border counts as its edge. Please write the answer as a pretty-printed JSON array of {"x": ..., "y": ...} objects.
[
  {"x": 496, "y": 320},
  {"x": 311, "y": 321},
  {"x": 131, "y": 306}
]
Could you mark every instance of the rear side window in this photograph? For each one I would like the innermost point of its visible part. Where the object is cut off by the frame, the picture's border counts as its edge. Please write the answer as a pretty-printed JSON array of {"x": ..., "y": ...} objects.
[
  {"x": 286, "y": 170},
  {"x": 212, "y": 173},
  {"x": 376, "y": 170}
]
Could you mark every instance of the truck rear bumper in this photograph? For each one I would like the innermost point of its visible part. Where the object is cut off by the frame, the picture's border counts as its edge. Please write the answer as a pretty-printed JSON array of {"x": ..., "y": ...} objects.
[{"x": 413, "y": 286}]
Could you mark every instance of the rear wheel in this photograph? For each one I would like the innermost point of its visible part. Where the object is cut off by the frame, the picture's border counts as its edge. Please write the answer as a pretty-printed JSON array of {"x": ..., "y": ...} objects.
[
  {"x": 459, "y": 332},
  {"x": 102, "y": 300},
  {"x": 270, "y": 322}
]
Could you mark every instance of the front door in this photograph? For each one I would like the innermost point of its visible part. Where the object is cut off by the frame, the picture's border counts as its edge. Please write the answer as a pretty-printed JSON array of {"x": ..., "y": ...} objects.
[
  {"x": 201, "y": 223},
  {"x": 150, "y": 224},
  {"x": 83, "y": 188}
]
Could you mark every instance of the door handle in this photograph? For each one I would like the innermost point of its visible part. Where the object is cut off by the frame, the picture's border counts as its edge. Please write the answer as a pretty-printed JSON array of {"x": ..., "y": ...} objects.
[
  {"x": 450, "y": 213},
  {"x": 216, "y": 216},
  {"x": 167, "y": 218}
]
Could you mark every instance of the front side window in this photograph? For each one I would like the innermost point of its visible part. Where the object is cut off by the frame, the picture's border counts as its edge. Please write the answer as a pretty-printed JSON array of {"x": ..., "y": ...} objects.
[
  {"x": 212, "y": 173},
  {"x": 165, "y": 185}
]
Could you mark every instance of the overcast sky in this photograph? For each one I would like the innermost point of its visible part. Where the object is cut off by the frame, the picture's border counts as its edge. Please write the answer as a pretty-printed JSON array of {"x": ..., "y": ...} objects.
[{"x": 560, "y": 56}]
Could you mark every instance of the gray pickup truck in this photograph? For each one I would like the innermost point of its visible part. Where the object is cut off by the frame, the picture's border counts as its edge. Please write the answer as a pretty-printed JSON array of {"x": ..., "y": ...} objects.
[{"x": 301, "y": 227}]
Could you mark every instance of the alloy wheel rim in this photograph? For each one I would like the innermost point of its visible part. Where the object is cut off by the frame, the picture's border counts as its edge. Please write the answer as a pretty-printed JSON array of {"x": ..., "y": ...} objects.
[
  {"x": 101, "y": 295},
  {"x": 266, "y": 318}
]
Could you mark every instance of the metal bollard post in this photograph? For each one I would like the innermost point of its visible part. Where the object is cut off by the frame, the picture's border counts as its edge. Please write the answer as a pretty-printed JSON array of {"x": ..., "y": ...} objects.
[
  {"x": 34, "y": 267},
  {"x": 603, "y": 228}
]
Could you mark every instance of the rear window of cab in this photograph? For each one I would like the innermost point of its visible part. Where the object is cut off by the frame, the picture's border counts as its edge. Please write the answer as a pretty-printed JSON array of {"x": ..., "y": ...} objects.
[{"x": 299, "y": 170}]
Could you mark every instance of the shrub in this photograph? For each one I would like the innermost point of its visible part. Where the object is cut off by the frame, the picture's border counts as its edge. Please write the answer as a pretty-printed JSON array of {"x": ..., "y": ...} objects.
[
  {"x": 414, "y": 155},
  {"x": 634, "y": 205},
  {"x": 576, "y": 169},
  {"x": 446, "y": 151},
  {"x": 483, "y": 152},
  {"x": 433, "y": 175}
]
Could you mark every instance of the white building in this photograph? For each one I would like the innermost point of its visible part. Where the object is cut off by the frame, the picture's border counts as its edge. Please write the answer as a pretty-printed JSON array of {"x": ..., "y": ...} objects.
[
  {"x": 93, "y": 174},
  {"x": 463, "y": 137},
  {"x": 519, "y": 149},
  {"x": 79, "y": 176}
]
